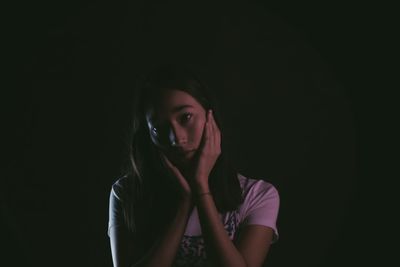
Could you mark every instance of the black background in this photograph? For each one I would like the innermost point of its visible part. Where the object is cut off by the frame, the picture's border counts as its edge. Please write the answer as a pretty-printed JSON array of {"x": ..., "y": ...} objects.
[{"x": 300, "y": 87}]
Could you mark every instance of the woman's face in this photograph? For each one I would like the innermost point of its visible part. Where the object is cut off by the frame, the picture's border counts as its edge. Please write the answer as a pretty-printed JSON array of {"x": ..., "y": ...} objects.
[{"x": 176, "y": 123}]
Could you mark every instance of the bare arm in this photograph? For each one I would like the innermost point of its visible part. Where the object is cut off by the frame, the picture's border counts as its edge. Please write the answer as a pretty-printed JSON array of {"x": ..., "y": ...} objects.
[
  {"x": 220, "y": 249},
  {"x": 162, "y": 253},
  {"x": 249, "y": 250}
]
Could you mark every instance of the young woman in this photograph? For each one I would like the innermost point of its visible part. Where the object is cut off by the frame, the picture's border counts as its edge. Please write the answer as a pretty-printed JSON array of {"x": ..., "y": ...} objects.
[{"x": 181, "y": 202}]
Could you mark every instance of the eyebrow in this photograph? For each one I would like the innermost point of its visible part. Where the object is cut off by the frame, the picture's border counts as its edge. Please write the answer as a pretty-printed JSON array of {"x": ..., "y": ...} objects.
[
  {"x": 179, "y": 108},
  {"x": 174, "y": 110}
]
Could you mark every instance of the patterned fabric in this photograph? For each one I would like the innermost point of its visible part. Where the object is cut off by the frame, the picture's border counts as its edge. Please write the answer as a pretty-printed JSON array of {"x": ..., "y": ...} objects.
[{"x": 192, "y": 250}]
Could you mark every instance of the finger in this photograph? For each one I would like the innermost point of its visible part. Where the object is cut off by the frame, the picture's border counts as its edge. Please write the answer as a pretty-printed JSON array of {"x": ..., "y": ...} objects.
[
  {"x": 168, "y": 164},
  {"x": 203, "y": 136},
  {"x": 172, "y": 169},
  {"x": 164, "y": 159},
  {"x": 216, "y": 133},
  {"x": 212, "y": 131},
  {"x": 214, "y": 123},
  {"x": 209, "y": 137}
]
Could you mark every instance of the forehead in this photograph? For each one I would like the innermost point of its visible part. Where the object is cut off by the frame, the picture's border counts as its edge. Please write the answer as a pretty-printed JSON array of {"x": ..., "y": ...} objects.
[{"x": 170, "y": 102}]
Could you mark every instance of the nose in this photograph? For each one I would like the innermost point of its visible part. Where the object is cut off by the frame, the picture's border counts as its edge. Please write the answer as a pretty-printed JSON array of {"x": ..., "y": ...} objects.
[{"x": 177, "y": 136}]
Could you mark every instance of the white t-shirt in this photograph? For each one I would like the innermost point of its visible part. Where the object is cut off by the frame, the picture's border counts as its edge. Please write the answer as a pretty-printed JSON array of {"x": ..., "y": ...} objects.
[{"x": 260, "y": 207}]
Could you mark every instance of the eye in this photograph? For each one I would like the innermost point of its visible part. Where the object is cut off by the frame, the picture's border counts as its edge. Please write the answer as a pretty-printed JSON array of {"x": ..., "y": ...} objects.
[{"x": 186, "y": 117}]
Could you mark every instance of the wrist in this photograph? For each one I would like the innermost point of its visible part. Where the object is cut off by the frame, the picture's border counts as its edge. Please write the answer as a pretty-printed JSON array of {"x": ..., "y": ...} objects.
[
  {"x": 204, "y": 195},
  {"x": 201, "y": 187}
]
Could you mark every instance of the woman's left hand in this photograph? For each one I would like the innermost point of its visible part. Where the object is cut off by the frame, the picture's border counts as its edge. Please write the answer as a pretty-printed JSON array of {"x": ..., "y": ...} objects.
[{"x": 209, "y": 151}]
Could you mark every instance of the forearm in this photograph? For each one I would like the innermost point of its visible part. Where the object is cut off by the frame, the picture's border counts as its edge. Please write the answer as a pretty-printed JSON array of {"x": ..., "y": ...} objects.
[
  {"x": 219, "y": 247},
  {"x": 164, "y": 251}
]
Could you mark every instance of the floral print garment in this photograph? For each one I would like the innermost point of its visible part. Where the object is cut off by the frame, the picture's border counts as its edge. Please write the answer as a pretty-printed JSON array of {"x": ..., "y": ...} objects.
[{"x": 192, "y": 250}]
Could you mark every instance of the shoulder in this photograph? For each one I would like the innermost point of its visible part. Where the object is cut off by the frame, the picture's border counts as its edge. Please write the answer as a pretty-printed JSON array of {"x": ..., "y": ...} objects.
[
  {"x": 261, "y": 204},
  {"x": 119, "y": 187},
  {"x": 253, "y": 187}
]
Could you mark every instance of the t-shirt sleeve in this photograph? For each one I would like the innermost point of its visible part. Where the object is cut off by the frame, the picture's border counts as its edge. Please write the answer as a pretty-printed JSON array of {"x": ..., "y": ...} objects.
[
  {"x": 262, "y": 206},
  {"x": 115, "y": 217}
]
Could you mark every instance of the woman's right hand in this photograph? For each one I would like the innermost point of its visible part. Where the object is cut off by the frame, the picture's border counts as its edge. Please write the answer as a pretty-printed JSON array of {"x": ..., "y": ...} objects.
[{"x": 186, "y": 191}]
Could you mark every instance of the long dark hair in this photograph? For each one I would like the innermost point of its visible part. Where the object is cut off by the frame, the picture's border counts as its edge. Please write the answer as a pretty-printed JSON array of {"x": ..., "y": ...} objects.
[{"x": 148, "y": 191}]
